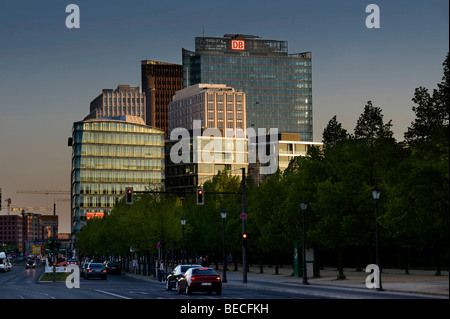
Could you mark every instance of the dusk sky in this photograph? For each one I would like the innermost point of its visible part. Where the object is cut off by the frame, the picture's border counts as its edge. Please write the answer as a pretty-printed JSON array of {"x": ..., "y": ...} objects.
[{"x": 49, "y": 74}]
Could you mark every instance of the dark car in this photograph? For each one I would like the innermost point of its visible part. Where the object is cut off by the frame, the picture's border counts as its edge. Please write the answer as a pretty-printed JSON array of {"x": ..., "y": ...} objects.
[
  {"x": 176, "y": 274},
  {"x": 71, "y": 262},
  {"x": 95, "y": 270},
  {"x": 83, "y": 268},
  {"x": 31, "y": 263},
  {"x": 200, "y": 279},
  {"x": 113, "y": 268}
]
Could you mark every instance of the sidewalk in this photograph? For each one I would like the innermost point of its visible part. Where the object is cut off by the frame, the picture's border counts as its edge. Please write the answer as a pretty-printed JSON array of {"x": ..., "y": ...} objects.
[{"x": 393, "y": 280}]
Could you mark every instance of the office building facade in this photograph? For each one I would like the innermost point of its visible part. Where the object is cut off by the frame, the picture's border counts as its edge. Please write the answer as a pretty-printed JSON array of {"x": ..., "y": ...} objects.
[
  {"x": 215, "y": 105},
  {"x": 160, "y": 81},
  {"x": 278, "y": 85},
  {"x": 125, "y": 100},
  {"x": 284, "y": 148},
  {"x": 231, "y": 155},
  {"x": 109, "y": 155}
]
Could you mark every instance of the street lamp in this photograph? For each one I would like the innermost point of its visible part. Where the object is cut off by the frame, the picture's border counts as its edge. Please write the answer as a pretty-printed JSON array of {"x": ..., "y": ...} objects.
[
  {"x": 223, "y": 213},
  {"x": 183, "y": 222},
  {"x": 304, "y": 205},
  {"x": 376, "y": 196}
]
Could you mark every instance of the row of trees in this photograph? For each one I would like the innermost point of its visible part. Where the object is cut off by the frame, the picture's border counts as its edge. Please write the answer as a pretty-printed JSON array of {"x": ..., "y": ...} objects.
[{"x": 336, "y": 181}]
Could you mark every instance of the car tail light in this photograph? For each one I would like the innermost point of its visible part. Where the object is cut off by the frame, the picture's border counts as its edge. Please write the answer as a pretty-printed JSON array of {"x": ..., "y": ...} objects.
[
  {"x": 89, "y": 270},
  {"x": 218, "y": 278},
  {"x": 193, "y": 278},
  {"x": 104, "y": 270}
]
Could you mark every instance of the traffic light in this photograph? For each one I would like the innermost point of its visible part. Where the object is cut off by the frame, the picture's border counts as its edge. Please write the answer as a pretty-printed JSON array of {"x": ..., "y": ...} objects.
[
  {"x": 244, "y": 239},
  {"x": 129, "y": 195},
  {"x": 200, "y": 199}
]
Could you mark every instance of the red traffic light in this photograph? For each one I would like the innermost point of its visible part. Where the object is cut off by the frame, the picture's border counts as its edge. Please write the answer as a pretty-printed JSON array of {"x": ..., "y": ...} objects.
[
  {"x": 129, "y": 195},
  {"x": 200, "y": 199}
]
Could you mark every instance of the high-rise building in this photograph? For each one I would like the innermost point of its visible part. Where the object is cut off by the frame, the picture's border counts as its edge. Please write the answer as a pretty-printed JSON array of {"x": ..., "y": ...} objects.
[
  {"x": 160, "y": 81},
  {"x": 278, "y": 85},
  {"x": 285, "y": 148},
  {"x": 109, "y": 155},
  {"x": 124, "y": 100},
  {"x": 215, "y": 105},
  {"x": 11, "y": 230}
]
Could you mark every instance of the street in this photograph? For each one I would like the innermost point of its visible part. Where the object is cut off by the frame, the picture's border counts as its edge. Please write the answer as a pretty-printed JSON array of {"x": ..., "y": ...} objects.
[{"x": 21, "y": 283}]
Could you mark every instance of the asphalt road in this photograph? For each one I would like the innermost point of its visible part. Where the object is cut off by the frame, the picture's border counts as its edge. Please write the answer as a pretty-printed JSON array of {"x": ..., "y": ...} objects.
[
  {"x": 22, "y": 283},
  {"x": 124, "y": 292}
]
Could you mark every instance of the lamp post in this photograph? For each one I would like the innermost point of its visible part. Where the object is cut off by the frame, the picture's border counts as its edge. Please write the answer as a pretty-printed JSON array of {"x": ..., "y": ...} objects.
[
  {"x": 304, "y": 205},
  {"x": 223, "y": 214},
  {"x": 183, "y": 222},
  {"x": 376, "y": 196}
]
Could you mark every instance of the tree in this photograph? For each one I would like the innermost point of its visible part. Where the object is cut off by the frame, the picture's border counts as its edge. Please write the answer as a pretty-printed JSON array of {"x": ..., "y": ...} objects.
[
  {"x": 333, "y": 133},
  {"x": 432, "y": 112}
]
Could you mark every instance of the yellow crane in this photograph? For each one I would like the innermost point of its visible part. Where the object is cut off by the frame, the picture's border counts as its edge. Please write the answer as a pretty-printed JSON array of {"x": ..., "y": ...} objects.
[{"x": 46, "y": 192}]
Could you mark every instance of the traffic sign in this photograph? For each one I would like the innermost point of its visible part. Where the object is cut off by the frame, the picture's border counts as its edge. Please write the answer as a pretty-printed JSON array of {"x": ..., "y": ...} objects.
[{"x": 243, "y": 215}]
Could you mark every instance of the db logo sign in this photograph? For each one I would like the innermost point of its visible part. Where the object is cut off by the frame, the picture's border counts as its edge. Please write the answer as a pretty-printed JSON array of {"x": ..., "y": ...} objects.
[{"x": 238, "y": 45}]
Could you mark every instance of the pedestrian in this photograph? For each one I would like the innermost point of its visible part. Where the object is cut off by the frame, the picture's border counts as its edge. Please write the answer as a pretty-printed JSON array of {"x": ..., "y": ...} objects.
[
  {"x": 161, "y": 270},
  {"x": 200, "y": 260},
  {"x": 205, "y": 262},
  {"x": 158, "y": 272}
]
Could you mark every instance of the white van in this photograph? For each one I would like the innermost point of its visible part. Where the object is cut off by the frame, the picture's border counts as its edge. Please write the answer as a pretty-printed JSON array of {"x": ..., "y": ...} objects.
[{"x": 5, "y": 265}]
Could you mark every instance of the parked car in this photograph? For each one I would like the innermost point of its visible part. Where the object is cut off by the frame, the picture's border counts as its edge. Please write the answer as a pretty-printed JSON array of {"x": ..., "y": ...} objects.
[
  {"x": 113, "y": 267},
  {"x": 172, "y": 278},
  {"x": 83, "y": 268},
  {"x": 95, "y": 270},
  {"x": 200, "y": 279},
  {"x": 31, "y": 263}
]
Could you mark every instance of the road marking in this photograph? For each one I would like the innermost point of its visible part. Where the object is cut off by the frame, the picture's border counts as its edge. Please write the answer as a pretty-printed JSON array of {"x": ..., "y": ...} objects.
[{"x": 115, "y": 295}]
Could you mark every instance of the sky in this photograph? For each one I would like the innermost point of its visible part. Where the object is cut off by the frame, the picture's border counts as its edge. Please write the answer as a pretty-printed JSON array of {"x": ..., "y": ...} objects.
[{"x": 49, "y": 73}]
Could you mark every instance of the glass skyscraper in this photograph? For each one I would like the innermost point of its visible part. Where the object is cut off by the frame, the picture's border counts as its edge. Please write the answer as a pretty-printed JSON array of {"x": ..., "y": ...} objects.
[
  {"x": 278, "y": 85},
  {"x": 109, "y": 155}
]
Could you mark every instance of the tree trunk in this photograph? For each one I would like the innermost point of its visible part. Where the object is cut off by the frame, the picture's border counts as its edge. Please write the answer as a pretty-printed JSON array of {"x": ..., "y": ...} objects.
[
  {"x": 276, "y": 264},
  {"x": 341, "y": 274},
  {"x": 261, "y": 269},
  {"x": 407, "y": 260}
]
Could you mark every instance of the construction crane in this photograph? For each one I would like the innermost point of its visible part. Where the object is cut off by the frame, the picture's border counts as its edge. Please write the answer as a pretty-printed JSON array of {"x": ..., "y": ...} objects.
[{"x": 46, "y": 192}]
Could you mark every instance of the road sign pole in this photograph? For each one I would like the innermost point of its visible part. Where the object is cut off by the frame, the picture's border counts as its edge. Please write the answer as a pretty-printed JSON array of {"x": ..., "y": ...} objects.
[
  {"x": 244, "y": 231},
  {"x": 54, "y": 246}
]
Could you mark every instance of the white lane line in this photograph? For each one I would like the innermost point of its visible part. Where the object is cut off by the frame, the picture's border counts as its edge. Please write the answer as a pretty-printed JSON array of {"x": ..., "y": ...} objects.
[{"x": 115, "y": 295}]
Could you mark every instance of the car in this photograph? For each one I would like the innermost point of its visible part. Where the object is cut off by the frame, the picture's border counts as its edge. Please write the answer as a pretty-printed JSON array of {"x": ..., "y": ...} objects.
[
  {"x": 31, "y": 263},
  {"x": 95, "y": 270},
  {"x": 200, "y": 279},
  {"x": 176, "y": 274},
  {"x": 83, "y": 268},
  {"x": 71, "y": 262},
  {"x": 113, "y": 268}
]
